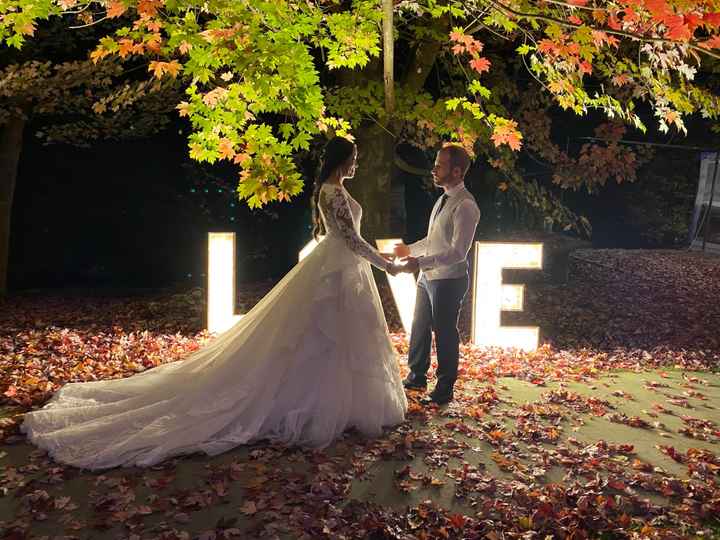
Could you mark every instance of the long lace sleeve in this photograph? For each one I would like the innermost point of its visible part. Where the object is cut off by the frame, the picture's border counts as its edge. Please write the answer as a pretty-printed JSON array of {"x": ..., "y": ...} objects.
[{"x": 335, "y": 204}]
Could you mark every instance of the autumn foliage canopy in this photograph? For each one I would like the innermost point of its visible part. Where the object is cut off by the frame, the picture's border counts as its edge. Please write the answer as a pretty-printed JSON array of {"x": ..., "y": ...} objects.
[{"x": 263, "y": 78}]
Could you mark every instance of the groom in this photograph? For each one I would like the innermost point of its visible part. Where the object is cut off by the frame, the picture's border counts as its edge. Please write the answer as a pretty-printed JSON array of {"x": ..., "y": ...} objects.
[{"x": 441, "y": 258}]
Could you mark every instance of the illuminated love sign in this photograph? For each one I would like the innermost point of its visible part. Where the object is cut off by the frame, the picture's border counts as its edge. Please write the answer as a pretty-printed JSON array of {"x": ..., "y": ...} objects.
[
  {"x": 221, "y": 282},
  {"x": 402, "y": 286},
  {"x": 490, "y": 296},
  {"x": 312, "y": 244}
]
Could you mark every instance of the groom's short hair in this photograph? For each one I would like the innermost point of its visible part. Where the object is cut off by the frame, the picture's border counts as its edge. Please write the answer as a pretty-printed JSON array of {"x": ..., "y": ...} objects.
[{"x": 457, "y": 156}]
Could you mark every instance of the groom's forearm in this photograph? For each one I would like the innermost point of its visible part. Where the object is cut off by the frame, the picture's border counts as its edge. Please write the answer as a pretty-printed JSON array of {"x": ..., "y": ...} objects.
[
  {"x": 418, "y": 248},
  {"x": 447, "y": 258}
]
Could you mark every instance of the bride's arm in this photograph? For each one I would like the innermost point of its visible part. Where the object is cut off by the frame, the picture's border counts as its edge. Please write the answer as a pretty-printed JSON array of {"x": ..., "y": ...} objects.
[{"x": 336, "y": 205}]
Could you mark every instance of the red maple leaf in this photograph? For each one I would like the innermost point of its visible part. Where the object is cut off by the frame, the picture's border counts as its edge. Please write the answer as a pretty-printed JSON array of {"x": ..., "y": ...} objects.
[
  {"x": 711, "y": 19},
  {"x": 547, "y": 46},
  {"x": 712, "y": 43},
  {"x": 692, "y": 20},
  {"x": 456, "y": 36},
  {"x": 658, "y": 8},
  {"x": 677, "y": 29},
  {"x": 480, "y": 64}
]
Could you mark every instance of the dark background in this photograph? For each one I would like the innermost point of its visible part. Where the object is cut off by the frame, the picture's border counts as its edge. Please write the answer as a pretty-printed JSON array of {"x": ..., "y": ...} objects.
[{"x": 136, "y": 214}]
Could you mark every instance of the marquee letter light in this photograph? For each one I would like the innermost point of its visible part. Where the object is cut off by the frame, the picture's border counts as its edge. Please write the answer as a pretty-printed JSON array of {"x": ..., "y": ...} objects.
[
  {"x": 490, "y": 296},
  {"x": 304, "y": 252},
  {"x": 221, "y": 282},
  {"x": 403, "y": 286}
]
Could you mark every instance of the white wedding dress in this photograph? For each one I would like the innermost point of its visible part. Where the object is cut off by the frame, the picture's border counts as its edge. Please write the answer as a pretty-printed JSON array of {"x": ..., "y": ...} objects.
[{"x": 310, "y": 360}]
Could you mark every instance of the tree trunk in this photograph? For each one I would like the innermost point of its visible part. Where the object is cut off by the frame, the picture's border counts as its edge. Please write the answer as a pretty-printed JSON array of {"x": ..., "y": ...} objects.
[
  {"x": 371, "y": 185},
  {"x": 376, "y": 144},
  {"x": 11, "y": 135},
  {"x": 389, "y": 59}
]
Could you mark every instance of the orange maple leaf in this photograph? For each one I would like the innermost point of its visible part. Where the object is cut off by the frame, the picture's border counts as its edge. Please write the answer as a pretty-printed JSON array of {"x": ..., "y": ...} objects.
[
  {"x": 27, "y": 29},
  {"x": 547, "y": 46},
  {"x": 671, "y": 117},
  {"x": 712, "y": 43},
  {"x": 157, "y": 68},
  {"x": 226, "y": 148},
  {"x": 184, "y": 47},
  {"x": 599, "y": 15},
  {"x": 507, "y": 133},
  {"x": 480, "y": 64},
  {"x": 173, "y": 68},
  {"x": 154, "y": 25},
  {"x": 98, "y": 54},
  {"x": 125, "y": 47},
  {"x": 620, "y": 80},
  {"x": 456, "y": 36},
  {"x": 183, "y": 108},
  {"x": 475, "y": 46},
  {"x": 115, "y": 9},
  {"x": 240, "y": 159},
  {"x": 149, "y": 7}
]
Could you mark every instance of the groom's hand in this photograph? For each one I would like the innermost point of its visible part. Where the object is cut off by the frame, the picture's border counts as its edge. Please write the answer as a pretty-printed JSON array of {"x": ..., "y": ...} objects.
[
  {"x": 401, "y": 250},
  {"x": 411, "y": 265}
]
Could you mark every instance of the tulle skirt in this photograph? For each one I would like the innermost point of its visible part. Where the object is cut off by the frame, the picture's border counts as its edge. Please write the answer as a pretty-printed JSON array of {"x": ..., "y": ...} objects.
[{"x": 310, "y": 360}]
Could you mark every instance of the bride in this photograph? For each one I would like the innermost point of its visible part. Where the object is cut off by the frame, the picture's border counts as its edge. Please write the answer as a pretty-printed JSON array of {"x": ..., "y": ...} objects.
[{"x": 310, "y": 360}]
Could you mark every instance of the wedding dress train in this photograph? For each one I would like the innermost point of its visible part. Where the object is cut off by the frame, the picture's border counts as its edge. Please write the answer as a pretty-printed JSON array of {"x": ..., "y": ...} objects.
[{"x": 310, "y": 360}]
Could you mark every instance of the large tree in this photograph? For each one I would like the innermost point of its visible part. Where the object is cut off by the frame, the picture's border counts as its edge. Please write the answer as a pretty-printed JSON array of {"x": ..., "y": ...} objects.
[
  {"x": 264, "y": 78},
  {"x": 52, "y": 86}
]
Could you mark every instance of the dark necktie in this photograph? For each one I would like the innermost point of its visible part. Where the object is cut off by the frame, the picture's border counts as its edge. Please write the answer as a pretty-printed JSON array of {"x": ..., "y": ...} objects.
[{"x": 443, "y": 200}]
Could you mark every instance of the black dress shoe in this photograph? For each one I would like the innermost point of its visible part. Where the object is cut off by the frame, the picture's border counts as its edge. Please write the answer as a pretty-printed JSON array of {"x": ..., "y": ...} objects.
[
  {"x": 438, "y": 398},
  {"x": 414, "y": 384}
]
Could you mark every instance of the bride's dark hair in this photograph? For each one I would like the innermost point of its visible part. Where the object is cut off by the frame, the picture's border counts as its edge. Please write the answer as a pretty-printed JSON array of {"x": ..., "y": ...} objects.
[{"x": 336, "y": 152}]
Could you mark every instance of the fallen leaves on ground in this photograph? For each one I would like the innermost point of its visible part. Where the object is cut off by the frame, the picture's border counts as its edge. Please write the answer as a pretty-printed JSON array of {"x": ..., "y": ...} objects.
[{"x": 513, "y": 469}]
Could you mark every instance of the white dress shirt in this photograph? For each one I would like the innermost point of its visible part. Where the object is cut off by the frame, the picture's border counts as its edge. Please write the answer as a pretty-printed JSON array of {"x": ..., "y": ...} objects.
[{"x": 449, "y": 236}]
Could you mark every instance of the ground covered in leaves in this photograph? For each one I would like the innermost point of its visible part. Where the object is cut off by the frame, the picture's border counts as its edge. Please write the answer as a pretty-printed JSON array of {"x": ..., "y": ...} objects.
[{"x": 609, "y": 429}]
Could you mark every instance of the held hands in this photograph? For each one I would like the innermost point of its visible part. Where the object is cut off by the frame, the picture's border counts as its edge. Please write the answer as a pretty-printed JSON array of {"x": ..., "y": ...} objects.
[
  {"x": 401, "y": 251},
  {"x": 411, "y": 265}
]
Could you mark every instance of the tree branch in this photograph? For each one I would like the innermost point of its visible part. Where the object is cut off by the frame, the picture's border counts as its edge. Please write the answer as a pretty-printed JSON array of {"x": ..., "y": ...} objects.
[
  {"x": 510, "y": 11},
  {"x": 424, "y": 58}
]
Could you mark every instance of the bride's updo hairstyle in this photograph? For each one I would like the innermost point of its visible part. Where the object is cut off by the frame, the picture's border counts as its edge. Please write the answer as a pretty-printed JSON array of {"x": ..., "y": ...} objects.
[{"x": 336, "y": 152}]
